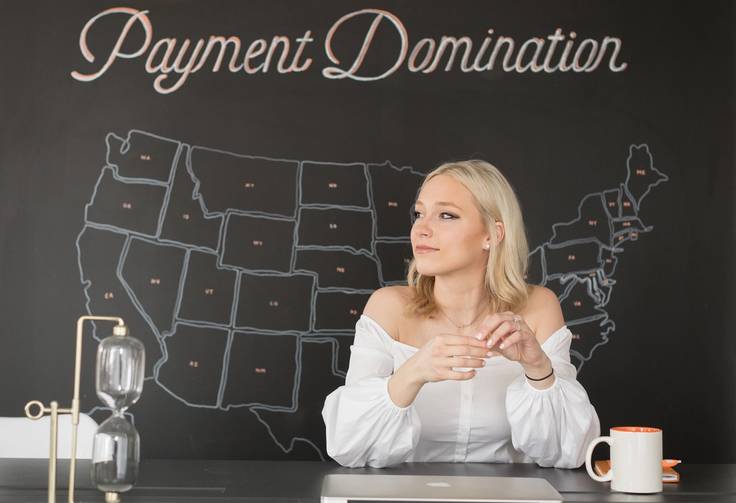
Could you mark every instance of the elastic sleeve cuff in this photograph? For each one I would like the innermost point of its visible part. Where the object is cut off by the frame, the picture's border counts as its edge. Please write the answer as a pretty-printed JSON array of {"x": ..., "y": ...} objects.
[{"x": 532, "y": 389}]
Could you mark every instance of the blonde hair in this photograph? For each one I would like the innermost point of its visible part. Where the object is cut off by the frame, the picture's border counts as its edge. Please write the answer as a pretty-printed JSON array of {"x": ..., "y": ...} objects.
[{"x": 507, "y": 261}]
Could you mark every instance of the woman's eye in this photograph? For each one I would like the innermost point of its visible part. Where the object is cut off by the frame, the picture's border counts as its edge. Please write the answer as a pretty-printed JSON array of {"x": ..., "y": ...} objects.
[{"x": 415, "y": 215}]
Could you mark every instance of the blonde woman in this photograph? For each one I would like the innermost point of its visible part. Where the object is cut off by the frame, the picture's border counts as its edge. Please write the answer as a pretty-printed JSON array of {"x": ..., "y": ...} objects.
[{"x": 468, "y": 363}]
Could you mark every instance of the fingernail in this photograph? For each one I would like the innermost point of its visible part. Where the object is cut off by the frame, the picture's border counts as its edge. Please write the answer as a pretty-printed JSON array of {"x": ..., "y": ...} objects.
[
  {"x": 502, "y": 345},
  {"x": 479, "y": 336},
  {"x": 490, "y": 344},
  {"x": 490, "y": 353},
  {"x": 483, "y": 363}
]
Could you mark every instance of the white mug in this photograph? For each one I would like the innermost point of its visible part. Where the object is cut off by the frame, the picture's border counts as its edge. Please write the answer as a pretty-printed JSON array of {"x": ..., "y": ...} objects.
[{"x": 636, "y": 459}]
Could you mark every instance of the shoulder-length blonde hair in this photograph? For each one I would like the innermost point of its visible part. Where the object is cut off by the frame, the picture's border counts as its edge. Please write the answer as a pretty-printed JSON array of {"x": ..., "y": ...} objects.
[{"x": 507, "y": 260}]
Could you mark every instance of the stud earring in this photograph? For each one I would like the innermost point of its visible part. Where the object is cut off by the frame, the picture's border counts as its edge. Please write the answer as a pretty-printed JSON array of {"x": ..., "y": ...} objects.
[{"x": 486, "y": 246}]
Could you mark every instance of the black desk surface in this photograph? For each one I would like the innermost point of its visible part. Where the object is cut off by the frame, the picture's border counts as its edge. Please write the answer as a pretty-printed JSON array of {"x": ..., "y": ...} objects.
[{"x": 199, "y": 481}]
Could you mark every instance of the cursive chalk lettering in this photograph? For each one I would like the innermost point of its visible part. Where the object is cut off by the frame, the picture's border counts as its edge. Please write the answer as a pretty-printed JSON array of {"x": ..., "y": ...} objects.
[{"x": 172, "y": 61}]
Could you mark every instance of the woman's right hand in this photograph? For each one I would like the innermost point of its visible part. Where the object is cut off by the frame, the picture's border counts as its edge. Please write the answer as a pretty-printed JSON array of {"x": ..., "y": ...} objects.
[{"x": 436, "y": 360}]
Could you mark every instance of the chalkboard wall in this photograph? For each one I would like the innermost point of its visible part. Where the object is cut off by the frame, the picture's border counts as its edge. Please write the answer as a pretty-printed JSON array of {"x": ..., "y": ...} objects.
[{"x": 235, "y": 178}]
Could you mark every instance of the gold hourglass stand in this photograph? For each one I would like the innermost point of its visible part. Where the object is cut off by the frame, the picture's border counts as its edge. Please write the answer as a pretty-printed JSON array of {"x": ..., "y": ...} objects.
[{"x": 53, "y": 410}]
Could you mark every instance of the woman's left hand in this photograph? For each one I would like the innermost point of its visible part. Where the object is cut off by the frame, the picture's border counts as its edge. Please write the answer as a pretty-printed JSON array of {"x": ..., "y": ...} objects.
[{"x": 508, "y": 334}]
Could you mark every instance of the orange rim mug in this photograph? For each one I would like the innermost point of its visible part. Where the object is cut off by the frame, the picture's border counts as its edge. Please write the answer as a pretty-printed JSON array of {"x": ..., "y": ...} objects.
[{"x": 636, "y": 459}]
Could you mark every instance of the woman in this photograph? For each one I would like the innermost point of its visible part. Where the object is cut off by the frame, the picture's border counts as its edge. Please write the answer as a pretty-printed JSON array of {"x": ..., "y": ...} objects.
[{"x": 468, "y": 363}]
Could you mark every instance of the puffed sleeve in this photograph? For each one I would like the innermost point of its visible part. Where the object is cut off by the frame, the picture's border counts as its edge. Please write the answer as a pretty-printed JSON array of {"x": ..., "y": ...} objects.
[
  {"x": 553, "y": 426},
  {"x": 364, "y": 426}
]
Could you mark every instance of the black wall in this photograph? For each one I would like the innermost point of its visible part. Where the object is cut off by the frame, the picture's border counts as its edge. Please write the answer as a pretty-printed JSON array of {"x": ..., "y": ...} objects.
[{"x": 667, "y": 316}]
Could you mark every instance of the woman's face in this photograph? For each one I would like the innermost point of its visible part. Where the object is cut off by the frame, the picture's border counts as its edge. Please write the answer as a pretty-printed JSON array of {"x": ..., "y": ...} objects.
[{"x": 448, "y": 234}]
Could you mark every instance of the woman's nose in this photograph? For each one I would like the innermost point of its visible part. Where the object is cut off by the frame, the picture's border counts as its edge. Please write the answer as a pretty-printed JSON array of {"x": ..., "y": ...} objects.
[{"x": 420, "y": 228}]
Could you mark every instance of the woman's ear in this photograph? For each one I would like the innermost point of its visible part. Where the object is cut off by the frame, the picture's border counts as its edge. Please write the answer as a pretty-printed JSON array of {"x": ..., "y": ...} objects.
[
  {"x": 495, "y": 236},
  {"x": 500, "y": 231}
]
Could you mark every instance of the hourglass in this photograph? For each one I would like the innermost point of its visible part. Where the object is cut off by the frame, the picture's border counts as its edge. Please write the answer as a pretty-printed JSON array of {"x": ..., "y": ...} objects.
[
  {"x": 116, "y": 446},
  {"x": 119, "y": 382}
]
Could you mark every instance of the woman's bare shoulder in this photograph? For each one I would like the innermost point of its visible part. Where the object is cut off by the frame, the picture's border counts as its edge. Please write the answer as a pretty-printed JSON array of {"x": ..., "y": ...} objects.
[
  {"x": 386, "y": 306},
  {"x": 543, "y": 312}
]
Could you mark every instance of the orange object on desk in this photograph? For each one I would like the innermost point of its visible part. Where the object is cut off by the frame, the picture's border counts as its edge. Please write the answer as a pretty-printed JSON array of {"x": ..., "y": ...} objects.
[{"x": 669, "y": 475}]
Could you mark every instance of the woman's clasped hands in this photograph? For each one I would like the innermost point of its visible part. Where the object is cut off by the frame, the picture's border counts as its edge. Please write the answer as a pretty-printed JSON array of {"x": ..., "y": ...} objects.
[
  {"x": 442, "y": 356},
  {"x": 455, "y": 357}
]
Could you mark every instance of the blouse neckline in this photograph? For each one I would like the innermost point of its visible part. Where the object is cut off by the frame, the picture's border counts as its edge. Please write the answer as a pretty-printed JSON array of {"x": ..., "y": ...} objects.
[{"x": 387, "y": 335}]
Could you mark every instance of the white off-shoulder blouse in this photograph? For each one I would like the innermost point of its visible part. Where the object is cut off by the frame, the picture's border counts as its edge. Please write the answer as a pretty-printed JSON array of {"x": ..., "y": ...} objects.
[{"x": 496, "y": 416}]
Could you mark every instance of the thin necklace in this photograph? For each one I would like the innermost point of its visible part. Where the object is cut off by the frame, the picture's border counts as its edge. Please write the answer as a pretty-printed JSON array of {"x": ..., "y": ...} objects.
[{"x": 461, "y": 326}]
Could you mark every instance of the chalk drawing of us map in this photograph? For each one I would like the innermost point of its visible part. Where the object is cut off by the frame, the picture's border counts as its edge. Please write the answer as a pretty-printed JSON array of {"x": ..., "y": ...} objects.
[{"x": 244, "y": 276}]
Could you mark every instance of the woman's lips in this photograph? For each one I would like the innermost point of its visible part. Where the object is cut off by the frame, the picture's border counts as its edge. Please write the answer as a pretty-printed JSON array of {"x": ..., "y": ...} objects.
[{"x": 424, "y": 249}]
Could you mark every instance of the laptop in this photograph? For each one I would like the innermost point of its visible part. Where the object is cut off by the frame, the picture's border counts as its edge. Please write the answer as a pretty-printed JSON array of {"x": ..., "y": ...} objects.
[{"x": 349, "y": 488}]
